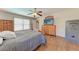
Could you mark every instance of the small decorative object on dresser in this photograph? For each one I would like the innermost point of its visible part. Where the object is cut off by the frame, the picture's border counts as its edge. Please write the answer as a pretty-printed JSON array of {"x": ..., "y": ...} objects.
[{"x": 49, "y": 28}]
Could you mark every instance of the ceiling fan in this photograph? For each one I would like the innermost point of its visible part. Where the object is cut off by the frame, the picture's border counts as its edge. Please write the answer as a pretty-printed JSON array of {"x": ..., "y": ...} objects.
[{"x": 35, "y": 12}]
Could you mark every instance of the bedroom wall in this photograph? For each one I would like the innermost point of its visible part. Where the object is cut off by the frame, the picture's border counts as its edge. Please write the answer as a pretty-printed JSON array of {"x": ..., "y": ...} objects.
[
  {"x": 10, "y": 16},
  {"x": 62, "y": 17},
  {"x": 41, "y": 20}
]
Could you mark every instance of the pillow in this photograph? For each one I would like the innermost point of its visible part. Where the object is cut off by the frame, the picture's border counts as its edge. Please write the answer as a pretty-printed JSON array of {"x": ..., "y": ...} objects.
[
  {"x": 1, "y": 40},
  {"x": 8, "y": 35}
]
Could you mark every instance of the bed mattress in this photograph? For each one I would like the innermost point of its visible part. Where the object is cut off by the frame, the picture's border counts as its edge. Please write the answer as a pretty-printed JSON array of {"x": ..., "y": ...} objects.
[{"x": 25, "y": 41}]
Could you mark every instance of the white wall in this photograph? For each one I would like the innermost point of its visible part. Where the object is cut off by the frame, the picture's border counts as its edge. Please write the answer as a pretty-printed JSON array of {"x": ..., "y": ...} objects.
[
  {"x": 62, "y": 17},
  {"x": 41, "y": 20},
  {"x": 10, "y": 16}
]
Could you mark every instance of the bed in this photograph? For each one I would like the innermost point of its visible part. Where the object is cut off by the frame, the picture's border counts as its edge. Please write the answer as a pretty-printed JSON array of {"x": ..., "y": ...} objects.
[{"x": 27, "y": 40}]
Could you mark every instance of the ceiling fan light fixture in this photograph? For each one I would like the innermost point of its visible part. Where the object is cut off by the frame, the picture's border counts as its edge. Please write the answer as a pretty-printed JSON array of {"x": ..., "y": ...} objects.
[{"x": 35, "y": 14}]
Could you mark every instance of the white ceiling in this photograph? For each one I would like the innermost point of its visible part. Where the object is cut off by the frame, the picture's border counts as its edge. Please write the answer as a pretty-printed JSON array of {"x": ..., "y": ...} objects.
[{"x": 25, "y": 11}]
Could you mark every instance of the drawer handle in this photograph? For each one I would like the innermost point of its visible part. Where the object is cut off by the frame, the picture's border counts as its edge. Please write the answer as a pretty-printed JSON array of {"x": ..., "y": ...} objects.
[{"x": 73, "y": 36}]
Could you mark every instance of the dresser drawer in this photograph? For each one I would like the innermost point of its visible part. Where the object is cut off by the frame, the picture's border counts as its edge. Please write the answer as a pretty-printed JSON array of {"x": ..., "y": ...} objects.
[{"x": 49, "y": 29}]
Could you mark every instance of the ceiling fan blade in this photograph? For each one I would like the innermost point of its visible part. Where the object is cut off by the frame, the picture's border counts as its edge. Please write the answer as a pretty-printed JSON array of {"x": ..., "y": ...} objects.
[
  {"x": 39, "y": 11},
  {"x": 29, "y": 13},
  {"x": 30, "y": 10},
  {"x": 40, "y": 14}
]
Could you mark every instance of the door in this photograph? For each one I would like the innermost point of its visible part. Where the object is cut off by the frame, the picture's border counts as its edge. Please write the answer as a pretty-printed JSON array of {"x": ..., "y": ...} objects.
[{"x": 72, "y": 31}]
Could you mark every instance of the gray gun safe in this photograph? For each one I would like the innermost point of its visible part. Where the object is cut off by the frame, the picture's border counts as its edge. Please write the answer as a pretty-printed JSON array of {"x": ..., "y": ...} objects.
[{"x": 72, "y": 31}]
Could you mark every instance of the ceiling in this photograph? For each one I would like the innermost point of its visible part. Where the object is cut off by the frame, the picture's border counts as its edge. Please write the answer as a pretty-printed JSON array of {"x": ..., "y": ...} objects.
[
  {"x": 25, "y": 11},
  {"x": 49, "y": 11}
]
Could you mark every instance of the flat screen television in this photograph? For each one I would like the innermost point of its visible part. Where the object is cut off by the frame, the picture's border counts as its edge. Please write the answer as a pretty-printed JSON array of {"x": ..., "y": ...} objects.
[{"x": 48, "y": 21}]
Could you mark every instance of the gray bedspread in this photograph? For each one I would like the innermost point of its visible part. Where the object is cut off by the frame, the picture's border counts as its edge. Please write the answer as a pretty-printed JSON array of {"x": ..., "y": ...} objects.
[{"x": 25, "y": 41}]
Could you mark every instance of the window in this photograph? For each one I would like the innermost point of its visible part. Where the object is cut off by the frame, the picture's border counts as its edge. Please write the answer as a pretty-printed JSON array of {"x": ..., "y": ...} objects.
[
  {"x": 26, "y": 24},
  {"x": 21, "y": 24}
]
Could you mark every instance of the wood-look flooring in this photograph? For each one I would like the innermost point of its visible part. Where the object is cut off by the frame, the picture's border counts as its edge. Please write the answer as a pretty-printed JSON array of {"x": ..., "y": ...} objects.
[{"x": 58, "y": 44}]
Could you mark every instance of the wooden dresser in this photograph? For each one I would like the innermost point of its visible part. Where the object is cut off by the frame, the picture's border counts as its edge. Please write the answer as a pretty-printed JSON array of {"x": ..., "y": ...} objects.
[
  {"x": 6, "y": 25},
  {"x": 49, "y": 29}
]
